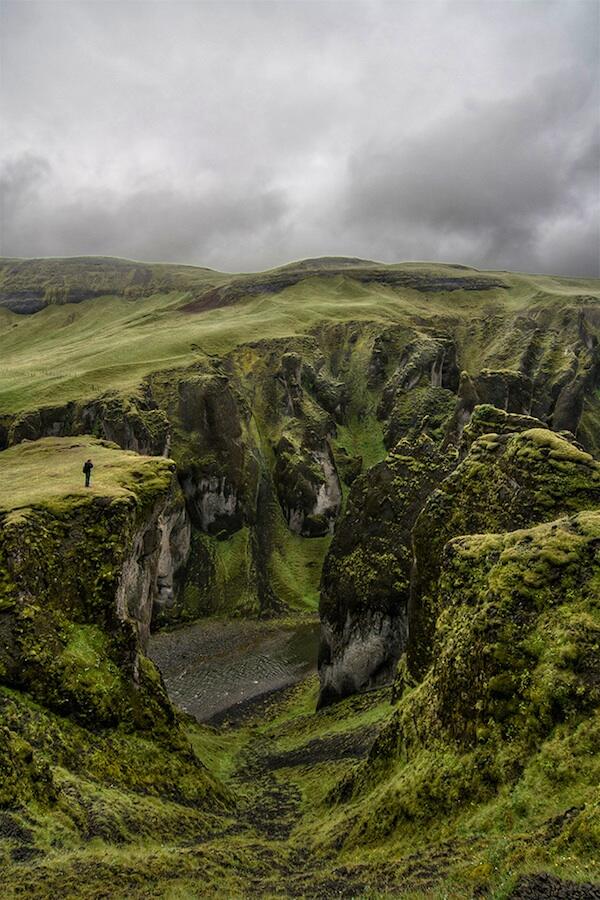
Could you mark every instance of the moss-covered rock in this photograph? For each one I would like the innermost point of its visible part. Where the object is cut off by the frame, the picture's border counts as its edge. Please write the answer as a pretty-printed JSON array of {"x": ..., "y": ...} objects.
[
  {"x": 133, "y": 422},
  {"x": 307, "y": 485},
  {"x": 507, "y": 481},
  {"x": 23, "y": 776},
  {"x": 366, "y": 576},
  {"x": 419, "y": 395},
  {"x": 486, "y": 419},
  {"x": 80, "y": 570},
  {"x": 515, "y": 669},
  {"x": 217, "y": 465},
  {"x": 349, "y": 467}
]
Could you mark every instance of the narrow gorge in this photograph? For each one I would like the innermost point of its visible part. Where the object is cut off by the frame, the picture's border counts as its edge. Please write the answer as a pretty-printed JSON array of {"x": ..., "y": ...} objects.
[{"x": 327, "y": 622}]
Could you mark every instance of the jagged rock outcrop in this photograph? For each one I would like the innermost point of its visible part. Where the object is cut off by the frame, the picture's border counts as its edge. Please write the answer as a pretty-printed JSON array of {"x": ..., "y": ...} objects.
[
  {"x": 380, "y": 575},
  {"x": 513, "y": 686},
  {"x": 333, "y": 396},
  {"x": 508, "y": 390},
  {"x": 366, "y": 577},
  {"x": 134, "y": 423},
  {"x": 506, "y": 482},
  {"x": 417, "y": 373},
  {"x": 486, "y": 419},
  {"x": 217, "y": 464},
  {"x": 585, "y": 377},
  {"x": 308, "y": 486},
  {"x": 253, "y": 448},
  {"x": 152, "y": 572}
]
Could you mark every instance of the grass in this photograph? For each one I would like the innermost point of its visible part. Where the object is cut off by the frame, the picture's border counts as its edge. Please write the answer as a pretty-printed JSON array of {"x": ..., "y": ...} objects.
[
  {"x": 75, "y": 351},
  {"x": 284, "y": 838},
  {"x": 48, "y": 472},
  {"x": 295, "y": 566}
]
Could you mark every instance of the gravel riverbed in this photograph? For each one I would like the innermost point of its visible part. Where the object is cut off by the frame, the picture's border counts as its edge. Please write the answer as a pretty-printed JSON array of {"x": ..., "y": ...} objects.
[{"x": 212, "y": 666}]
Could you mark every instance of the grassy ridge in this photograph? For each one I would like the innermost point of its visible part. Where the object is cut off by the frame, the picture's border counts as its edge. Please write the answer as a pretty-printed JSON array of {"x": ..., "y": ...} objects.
[{"x": 74, "y": 351}]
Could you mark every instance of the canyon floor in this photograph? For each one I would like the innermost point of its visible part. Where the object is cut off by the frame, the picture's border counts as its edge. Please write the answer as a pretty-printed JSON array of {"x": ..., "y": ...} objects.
[{"x": 281, "y": 760}]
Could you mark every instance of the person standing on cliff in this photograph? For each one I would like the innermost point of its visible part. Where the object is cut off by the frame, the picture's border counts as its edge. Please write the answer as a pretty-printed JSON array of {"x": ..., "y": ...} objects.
[{"x": 87, "y": 471}]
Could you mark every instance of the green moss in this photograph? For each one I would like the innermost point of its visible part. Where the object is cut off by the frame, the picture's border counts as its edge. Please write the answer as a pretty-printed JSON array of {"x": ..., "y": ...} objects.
[
  {"x": 87, "y": 667},
  {"x": 295, "y": 567},
  {"x": 62, "y": 558},
  {"x": 505, "y": 482},
  {"x": 48, "y": 474},
  {"x": 514, "y": 675},
  {"x": 424, "y": 409},
  {"x": 369, "y": 564}
]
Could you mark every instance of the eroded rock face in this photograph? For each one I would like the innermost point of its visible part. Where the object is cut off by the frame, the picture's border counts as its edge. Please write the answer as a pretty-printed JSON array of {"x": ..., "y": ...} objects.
[
  {"x": 218, "y": 470},
  {"x": 367, "y": 573},
  {"x": 379, "y": 578},
  {"x": 506, "y": 482},
  {"x": 78, "y": 587},
  {"x": 487, "y": 419},
  {"x": 134, "y": 423},
  {"x": 507, "y": 390},
  {"x": 502, "y": 691},
  {"x": 213, "y": 502},
  {"x": 149, "y": 577},
  {"x": 251, "y": 439},
  {"x": 308, "y": 487},
  {"x": 417, "y": 371},
  {"x": 429, "y": 357}
]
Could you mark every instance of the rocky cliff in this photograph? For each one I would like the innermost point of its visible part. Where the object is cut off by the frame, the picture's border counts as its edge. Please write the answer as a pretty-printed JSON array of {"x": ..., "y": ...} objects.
[
  {"x": 509, "y": 706},
  {"x": 271, "y": 434},
  {"x": 81, "y": 571}
]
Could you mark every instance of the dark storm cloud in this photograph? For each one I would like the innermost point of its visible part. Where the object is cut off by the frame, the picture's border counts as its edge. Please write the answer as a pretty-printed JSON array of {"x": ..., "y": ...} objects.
[
  {"x": 243, "y": 135},
  {"x": 495, "y": 181}
]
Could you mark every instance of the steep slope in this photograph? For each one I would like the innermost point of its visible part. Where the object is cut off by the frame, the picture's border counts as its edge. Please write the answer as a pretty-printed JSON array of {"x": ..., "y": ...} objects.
[
  {"x": 80, "y": 570},
  {"x": 510, "y": 705}
]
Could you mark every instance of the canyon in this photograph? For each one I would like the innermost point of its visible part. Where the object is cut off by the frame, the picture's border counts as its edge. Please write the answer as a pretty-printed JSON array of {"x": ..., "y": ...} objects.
[{"x": 401, "y": 459}]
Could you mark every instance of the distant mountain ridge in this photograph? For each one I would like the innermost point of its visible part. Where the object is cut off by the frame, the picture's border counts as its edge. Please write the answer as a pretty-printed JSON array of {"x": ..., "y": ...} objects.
[{"x": 29, "y": 285}]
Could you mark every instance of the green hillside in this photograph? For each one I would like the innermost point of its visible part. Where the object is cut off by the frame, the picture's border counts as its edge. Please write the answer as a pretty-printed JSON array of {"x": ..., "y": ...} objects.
[{"x": 160, "y": 316}]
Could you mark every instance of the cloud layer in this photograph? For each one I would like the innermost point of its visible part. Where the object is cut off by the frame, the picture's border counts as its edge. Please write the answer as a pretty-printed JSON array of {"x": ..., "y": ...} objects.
[{"x": 244, "y": 135}]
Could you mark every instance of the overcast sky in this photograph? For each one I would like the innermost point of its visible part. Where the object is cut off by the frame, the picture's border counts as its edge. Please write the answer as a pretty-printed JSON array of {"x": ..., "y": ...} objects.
[{"x": 244, "y": 135}]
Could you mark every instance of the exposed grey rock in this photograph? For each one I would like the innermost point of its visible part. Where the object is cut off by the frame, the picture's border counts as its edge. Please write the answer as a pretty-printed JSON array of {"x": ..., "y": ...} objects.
[
  {"x": 309, "y": 488},
  {"x": 363, "y": 654},
  {"x": 160, "y": 549},
  {"x": 214, "y": 500}
]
